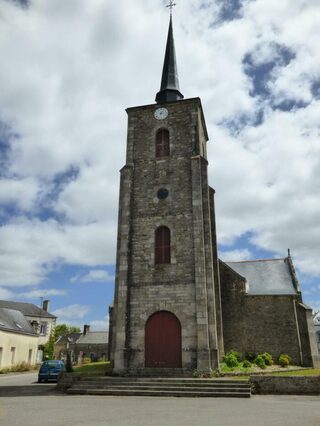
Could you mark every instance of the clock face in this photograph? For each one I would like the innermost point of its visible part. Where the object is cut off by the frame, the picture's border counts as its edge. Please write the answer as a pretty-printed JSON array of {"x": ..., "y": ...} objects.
[{"x": 161, "y": 113}]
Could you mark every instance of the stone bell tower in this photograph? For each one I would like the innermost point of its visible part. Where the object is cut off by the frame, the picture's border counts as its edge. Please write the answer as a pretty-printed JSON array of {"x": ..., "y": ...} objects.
[{"x": 167, "y": 309}]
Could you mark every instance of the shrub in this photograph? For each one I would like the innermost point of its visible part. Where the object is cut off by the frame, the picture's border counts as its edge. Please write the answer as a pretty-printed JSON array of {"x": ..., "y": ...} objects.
[
  {"x": 238, "y": 355},
  {"x": 246, "y": 364},
  {"x": 230, "y": 360},
  {"x": 250, "y": 356},
  {"x": 284, "y": 360},
  {"x": 205, "y": 374},
  {"x": 21, "y": 366},
  {"x": 260, "y": 362},
  {"x": 267, "y": 358}
]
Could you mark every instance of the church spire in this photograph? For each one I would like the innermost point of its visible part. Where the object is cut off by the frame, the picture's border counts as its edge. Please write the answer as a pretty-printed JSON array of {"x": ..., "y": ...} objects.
[{"x": 169, "y": 90}]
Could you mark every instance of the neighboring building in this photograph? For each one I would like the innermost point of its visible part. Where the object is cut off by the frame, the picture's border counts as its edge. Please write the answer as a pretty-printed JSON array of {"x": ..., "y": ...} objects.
[
  {"x": 41, "y": 320},
  {"x": 176, "y": 305},
  {"x": 18, "y": 340},
  {"x": 66, "y": 343},
  {"x": 89, "y": 344}
]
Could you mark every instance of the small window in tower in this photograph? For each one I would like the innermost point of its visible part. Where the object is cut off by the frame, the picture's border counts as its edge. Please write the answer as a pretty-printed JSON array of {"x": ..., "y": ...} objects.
[
  {"x": 162, "y": 194},
  {"x": 162, "y": 143},
  {"x": 162, "y": 245}
]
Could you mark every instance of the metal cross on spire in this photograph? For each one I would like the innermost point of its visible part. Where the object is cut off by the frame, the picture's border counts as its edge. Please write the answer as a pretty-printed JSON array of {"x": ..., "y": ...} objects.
[{"x": 171, "y": 5}]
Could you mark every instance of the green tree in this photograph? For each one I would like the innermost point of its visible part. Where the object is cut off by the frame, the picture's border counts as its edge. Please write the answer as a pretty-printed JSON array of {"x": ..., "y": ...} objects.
[
  {"x": 62, "y": 329},
  {"x": 49, "y": 347}
]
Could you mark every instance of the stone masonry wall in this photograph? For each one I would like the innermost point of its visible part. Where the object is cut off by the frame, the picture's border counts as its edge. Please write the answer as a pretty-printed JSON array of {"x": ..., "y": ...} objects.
[
  {"x": 286, "y": 385},
  {"x": 142, "y": 287},
  {"x": 257, "y": 323}
]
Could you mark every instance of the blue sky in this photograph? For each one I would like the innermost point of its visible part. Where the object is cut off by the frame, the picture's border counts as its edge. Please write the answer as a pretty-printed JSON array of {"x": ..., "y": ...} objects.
[{"x": 69, "y": 71}]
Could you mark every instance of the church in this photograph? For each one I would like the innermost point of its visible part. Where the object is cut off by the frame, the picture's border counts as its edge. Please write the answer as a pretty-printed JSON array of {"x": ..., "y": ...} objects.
[{"x": 176, "y": 305}]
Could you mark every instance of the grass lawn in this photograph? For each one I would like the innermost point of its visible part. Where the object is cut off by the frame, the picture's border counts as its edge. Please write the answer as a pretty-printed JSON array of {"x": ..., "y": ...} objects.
[
  {"x": 93, "y": 369},
  {"x": 283, "y": 372},
  {"x": 100, "y": 368},
  {"x": 308, "y": 372}
]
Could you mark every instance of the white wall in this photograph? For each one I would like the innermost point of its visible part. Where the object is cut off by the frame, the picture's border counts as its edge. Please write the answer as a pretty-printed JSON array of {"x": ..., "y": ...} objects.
[
  {"x": 50, "y": 327},
  {"x": 25, "y": 348}
]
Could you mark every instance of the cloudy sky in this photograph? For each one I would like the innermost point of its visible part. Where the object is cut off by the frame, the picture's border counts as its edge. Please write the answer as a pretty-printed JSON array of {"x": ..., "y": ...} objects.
[{"x": 68, "y": 71}]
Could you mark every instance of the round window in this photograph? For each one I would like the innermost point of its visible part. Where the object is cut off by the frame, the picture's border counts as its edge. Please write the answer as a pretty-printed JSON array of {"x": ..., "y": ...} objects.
[{"x": 162, "y": 193}]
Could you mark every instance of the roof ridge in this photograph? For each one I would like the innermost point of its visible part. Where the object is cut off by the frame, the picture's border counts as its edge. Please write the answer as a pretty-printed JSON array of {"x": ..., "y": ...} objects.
[{"x": 255, "y": 260}]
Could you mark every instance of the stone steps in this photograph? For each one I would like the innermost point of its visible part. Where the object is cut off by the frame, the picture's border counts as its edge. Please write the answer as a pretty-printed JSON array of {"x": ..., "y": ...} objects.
[
  {"x": 161, "y": 387},
  {"x": 158, "y": 393},
  {"x": 160, "y": 372}
]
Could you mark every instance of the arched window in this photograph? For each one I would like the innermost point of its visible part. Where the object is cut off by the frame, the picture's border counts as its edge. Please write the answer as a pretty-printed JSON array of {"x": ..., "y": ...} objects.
[
  {"x": 162, "y": 245},
  {"x": 162, "y": 143}
]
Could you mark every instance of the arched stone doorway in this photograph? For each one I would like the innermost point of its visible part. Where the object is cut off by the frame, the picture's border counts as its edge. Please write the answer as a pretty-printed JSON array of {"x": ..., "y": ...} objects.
[{"x": 163, "y": 341}]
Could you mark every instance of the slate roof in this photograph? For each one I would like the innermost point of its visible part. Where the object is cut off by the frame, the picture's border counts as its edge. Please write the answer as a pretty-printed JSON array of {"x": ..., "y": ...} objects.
[
  {"x": 94, "y": 338},
  {"x": 169, "y": 90},
  {"x": 14, "y": 321},
  {"x": 28, "y": 309},
  {"x": 316, "y": 319},
  {"x": 266, "y": 277}
]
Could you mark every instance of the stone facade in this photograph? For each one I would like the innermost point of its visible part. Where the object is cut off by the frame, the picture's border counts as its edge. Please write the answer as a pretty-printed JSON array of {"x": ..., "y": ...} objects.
[
  {"x": 278, "y": 324},
  {"x": 284, "y": 385},
  {"x": 185, "y": 286},
  {"x": 210, "y": 299}
]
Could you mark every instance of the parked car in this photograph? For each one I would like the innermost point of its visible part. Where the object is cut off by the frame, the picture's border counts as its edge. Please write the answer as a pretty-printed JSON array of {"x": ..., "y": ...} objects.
[{"x": 50, "y": 370}]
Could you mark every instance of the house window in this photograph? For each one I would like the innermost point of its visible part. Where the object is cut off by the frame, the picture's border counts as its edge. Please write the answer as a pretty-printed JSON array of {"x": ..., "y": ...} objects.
[
  {"x": 30, "y": 356},
  {"x": 1, "y": 352},
  {"x": 43, "y": 329},
  {"x": 162, "y": 245},
  {"x": 162, "y": 143},
  {"x": 13, "y": 353}
]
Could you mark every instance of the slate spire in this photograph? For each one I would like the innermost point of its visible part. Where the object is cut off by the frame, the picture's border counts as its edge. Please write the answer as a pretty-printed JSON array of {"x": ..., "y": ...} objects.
[{"x": 169, "y": 90}]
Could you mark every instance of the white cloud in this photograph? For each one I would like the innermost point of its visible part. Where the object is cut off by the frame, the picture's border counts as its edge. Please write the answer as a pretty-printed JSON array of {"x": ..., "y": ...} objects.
[
  {"x": 100, "y": 325},
  {"x": 71, "y": 312},
  {"x": 72, "y": 67},
  {"x": 44, "y": 293},
  {"x": 235, "y": 255},
  {"x": 97, "y": 188},
  {"x": 6, "y": 294},
  {"x": 32, "y": 248},
  {"x": 95, "y": 275},
  {"x": 22, "y": 192}
]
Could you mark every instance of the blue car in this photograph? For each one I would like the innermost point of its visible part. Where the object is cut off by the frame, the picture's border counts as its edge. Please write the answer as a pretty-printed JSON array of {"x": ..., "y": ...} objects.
[{"x": 50, "y": 370}]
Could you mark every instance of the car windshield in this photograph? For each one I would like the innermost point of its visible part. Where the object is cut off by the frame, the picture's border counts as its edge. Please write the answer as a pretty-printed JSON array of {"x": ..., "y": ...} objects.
[{"x": 53, "y": 364}]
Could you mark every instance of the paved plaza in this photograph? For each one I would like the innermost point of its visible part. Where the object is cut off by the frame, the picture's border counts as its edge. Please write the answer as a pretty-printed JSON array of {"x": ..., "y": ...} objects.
[{"x": 24, "y": 402}]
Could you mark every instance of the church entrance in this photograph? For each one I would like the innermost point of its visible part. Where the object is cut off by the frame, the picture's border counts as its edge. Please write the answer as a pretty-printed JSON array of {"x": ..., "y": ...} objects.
[{"x": 163, "y": 341}]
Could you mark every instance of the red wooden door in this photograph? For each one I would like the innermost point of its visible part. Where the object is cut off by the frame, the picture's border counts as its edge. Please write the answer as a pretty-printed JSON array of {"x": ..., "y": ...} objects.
[{"x": 163, "y": 341}]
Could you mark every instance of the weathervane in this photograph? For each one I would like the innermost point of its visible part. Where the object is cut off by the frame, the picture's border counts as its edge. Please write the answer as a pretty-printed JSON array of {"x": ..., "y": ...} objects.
[{"x": 171, "y": 5}]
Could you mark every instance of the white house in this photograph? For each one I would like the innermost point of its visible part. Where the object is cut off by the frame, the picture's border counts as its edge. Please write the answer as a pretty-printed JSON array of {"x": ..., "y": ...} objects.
[
  {"x": 18, "y": 340},
  {"x": 40, "y": 319}
]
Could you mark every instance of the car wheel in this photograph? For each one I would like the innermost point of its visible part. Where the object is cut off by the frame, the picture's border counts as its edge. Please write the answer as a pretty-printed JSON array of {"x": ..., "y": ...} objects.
[
  {"x": 46, "y": 380},
  {"x": 39, "y": 380}
]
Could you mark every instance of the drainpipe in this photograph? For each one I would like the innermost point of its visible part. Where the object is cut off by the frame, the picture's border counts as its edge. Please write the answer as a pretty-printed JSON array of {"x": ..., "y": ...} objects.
[{"x": 298, "y": 331}]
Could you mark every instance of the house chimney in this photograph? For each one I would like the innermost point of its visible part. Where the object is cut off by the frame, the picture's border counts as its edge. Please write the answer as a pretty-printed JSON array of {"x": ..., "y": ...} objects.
[
  {"x": 86, "y": 329},
  {"x": 46, "y": 305}
]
